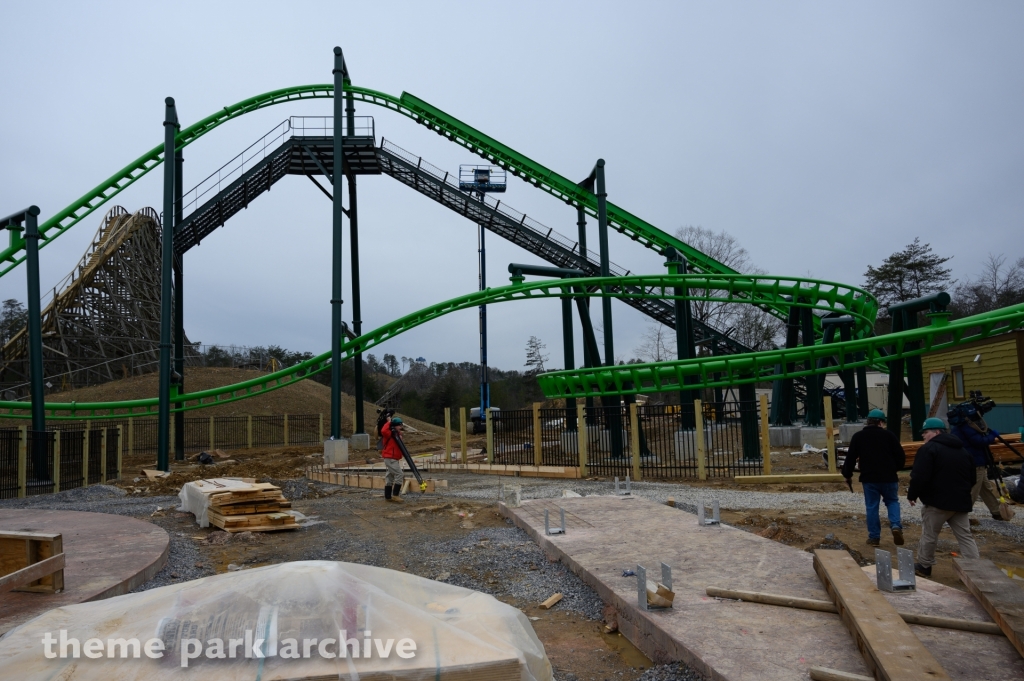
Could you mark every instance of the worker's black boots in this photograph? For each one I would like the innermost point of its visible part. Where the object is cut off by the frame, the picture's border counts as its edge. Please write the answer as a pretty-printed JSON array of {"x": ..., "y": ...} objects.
[
  {"x": 387, "y": 492},
  {"x": 396, "y": 490}
]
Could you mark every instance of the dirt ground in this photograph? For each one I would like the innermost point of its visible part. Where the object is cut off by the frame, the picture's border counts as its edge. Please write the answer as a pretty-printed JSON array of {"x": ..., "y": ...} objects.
[{"x": 416, "y": 536}]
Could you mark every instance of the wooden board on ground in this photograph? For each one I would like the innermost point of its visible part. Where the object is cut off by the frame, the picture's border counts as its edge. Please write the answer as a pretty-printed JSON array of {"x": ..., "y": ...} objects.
[
  {"x": 788, "y": 479},
  {"x": 21, "y": 550},
  {"x": 259, "y": 522},
  {"x": 366, "y": 481},
  {"x": 890, "y": 648},
  {"x": 1001, "y": 597}
]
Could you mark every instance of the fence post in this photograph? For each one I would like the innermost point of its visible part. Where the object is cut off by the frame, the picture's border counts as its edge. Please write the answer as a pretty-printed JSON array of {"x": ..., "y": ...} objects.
[
  {"x": 702, "y": 452},
  {"x": 131, "y": 441},
  {"x": 581, "y": 439},
  {"x": 286, "y": 430},
  {"x": 490, "y": 436},
  {"x": 766, "y": 445},
  {"x": 56, "y": 461},
  {"x": 538, "y": 436},
  {"x": 103, "y": 456},
  {"x": 447, "y": 434},
  {"x": 321, "y": 427},
  {"x": 248, "y": 431},
  {"x": 462, "y": 435},
  {"x": 120, "y": 449},
  {"x": 85, "y": 457},
  {"x": 22, "y": 461},
  {"x": 830, "y": 434},
  {"x": 634, "y": 440}
]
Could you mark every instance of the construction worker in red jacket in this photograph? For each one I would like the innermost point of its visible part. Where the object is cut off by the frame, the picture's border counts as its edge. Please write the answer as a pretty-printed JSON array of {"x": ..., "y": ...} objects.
[{"x": 392, "y": 456}]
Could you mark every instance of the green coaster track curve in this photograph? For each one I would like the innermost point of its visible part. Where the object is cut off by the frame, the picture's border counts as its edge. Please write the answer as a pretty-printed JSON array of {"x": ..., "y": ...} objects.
[
  {"x": 824, "y": 296},
  {"x": 774, "y": 294}
]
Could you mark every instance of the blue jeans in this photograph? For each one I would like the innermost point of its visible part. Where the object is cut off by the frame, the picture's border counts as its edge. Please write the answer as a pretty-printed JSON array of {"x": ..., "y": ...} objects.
[{"x": 889, "y": 493}]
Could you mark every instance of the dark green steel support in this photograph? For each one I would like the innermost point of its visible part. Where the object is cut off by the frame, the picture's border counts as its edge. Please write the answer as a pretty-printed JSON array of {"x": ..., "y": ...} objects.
[
  {"x": 904, "y": 318},
  {"x": 30, "y": 216},
  {"x": 178, "y": 379},
  {"x": 166, "y": 293},
  {"x": 353, "y": 231},
  {"x": 612, "y": 404},
  {"x": 340, "y": 76},
  {"x": 749, "y": 433},
  {"x": 581, "y": 225},
  {"x": 849, "y": 385},
  {"x": 812, "y": 398},
  {"x": 783, "y": 398},
  {"x": 569, "y": 357},
  {"x": 686, "y": 347},
  {"x": 863, "y": 407}
]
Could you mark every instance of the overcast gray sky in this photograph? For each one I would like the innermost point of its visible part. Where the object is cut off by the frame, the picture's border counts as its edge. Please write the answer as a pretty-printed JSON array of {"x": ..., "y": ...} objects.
[{"x": 823, "y": 136}]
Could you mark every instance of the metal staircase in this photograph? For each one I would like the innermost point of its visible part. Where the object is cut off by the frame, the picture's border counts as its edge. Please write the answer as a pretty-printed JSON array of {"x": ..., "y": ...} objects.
[{"x": 288, "y": 149}]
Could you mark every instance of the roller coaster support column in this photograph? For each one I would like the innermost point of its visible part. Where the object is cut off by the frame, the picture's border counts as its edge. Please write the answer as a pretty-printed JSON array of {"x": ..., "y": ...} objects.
[
  {"x": 812, "y": 397},
  {"x": 904, "y": 318},
  {"x": 845, "y": 325},
  {"x": 166, "y": 290},
  {"x": 685, "y": 345},
  {"x": 581, "y": 225},
  {"x": 613, "y": 417},
  {"x": 783, "y": 404},
  {"x": 359, "y": 427},
  {"x": 30, "y": 216},
  {"x": 179, "y": 311},
  {"x": 518, "y": 271},
  {"x": 340, "y": 77}
]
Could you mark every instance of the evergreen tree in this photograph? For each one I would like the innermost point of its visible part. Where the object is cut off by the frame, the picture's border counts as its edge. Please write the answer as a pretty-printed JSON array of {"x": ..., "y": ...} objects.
[{"x": 914, "y": 272}]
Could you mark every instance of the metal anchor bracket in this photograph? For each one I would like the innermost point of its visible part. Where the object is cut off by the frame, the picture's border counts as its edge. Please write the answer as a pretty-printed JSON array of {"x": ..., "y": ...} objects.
[
  {"x": 547, "y": 526},
  {"x": 641, "y": 586},
  {"x": 715, "y": 518},
  {"x": 883, "y": 571}
]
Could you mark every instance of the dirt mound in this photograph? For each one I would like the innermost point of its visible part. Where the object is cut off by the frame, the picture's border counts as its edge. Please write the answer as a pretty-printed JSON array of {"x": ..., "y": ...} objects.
[
  {"x": 303, "y": 397},
  {"x": 782, "y": 534}
]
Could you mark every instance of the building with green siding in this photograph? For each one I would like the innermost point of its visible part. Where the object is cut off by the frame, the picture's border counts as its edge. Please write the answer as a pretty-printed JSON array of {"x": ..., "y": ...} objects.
[{"x": 995, "y": 366}]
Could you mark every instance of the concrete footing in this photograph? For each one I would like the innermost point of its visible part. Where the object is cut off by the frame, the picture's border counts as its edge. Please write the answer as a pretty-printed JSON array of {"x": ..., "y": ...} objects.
[
  {"x": 784, "y": 436},
  {"x": 814, "y": 437},
  {"x": 359, "y": 441},
  {"x": 335, "y": 451},
  {"x": 686, "y": 444},
  {"x": 846, "y": 431}
]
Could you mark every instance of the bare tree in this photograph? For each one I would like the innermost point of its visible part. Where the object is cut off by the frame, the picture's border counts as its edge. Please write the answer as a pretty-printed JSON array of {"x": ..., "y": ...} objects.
[
  {"x": 999, "y": 285},
  {"x": 535, "y": 356},
  {"x": 657, "y": 344}
]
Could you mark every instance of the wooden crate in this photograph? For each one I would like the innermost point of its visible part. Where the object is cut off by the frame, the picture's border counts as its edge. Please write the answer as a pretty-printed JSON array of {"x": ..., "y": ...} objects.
[{"x": 24, "y": 555}]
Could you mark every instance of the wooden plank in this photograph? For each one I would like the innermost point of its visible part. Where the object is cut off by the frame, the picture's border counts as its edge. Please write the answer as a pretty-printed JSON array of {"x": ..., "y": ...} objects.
[
  {"x": 795, "y": 478},
  {"x": 830, "y": 434},
  {"x": 766, "y": 449},
  {"x": 1002, "y": 598},
  {"x": 826, "y": 674},
  {"x": 702, "y": 455},
  {"x": 33, "y": 573},
  {"x": 828, "y": 606},
  {"x": 890, "y": 649}
]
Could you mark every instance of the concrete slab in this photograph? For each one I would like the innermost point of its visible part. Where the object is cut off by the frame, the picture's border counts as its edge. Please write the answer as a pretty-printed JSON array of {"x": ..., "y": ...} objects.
[
  {"x": 106, "y": 555},
  {"x": 814, "y": 437},
  {"x": 730, "y": 639},
  {"x": 846, "y": 431},
  {"x": 359, "y": 441},
  {"x": 784, "y": 436}
]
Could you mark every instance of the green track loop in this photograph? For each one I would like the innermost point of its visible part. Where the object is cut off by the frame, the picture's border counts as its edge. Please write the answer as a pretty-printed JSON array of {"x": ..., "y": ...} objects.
[
  {"x": 738, "y": 288},
  {"x": 770, "y": 293}
]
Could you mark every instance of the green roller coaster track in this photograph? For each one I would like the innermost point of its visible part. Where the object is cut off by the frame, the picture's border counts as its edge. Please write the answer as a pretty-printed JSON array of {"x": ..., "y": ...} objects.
[{"x": 775, "y": 294}]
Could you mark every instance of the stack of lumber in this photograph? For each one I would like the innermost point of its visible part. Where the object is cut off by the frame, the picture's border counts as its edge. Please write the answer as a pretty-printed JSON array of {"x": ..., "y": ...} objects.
[
  {"x": 256, "y": 508},
  {"x": 1000, "y": 452}
]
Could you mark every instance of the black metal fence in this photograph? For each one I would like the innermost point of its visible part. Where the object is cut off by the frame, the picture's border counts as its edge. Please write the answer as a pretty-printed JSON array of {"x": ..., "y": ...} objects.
[
  {"x": 665, "y": 439},
  {"x": 73, "y": 457}
]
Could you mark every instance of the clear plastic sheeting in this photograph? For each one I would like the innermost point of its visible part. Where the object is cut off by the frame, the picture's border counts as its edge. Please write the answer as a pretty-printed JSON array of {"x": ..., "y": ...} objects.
[
  {"x": 195, "y": 496},
  {"x": 284, "y": 622}
]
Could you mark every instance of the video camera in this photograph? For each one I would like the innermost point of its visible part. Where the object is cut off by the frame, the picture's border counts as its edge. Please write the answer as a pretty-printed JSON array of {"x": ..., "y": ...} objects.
[{"x": 972, "y": 409}]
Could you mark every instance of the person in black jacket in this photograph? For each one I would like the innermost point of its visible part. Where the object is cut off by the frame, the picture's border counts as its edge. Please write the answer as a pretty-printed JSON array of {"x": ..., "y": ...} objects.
[
  {"x": 942, "y": 478},
  {"x": 880, "y": 455}
]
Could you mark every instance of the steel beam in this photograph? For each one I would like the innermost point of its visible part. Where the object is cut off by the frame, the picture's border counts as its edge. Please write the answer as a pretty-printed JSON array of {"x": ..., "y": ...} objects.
[
  {"x": 166, "y": 292},
  {"x": 179, "y": 310},
  {"x": 340, "y": 77}
]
